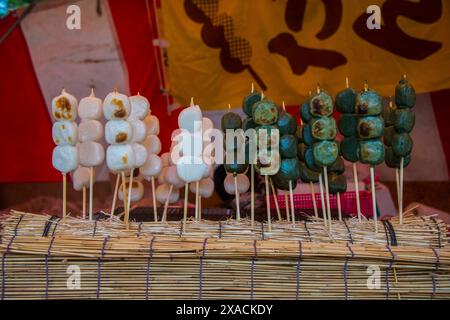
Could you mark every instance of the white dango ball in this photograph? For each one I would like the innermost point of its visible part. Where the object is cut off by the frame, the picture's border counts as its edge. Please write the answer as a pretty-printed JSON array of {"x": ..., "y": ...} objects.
[
  {"x": 120, "y": 157},
  {"x": 191, "y": 168},
  {"x": 65, "y": 158},
  {"x": 140, "y": 154},
  {"x": 205, "y": 187},
  {"x": 90, "y": 107},
  {"x": 65, "y": 133},
  {"x": 152, "y": 167},
  {"x": 243, "y": 183},
  {"x": 140, "y": 107},
  {"x": 171, "y": 177},
  {"x": 91, "y": 153},
  {"x": 64, "y": 107},
  {"x": 152, "y": 144},
  {"x": 165, "y": 158},
  {"x": 163, "y": 191},
  {"x": 137, "y": 190},
  {"x": 118, "y": 132},
  {"x": 139, "y": 130},
  {"x": 191, "y": 144},
  {"x": 116, "y": 106},
  {"x": 80, "y": 178},
  {"x": 190, "y": 119},
  {"x": 90, "y": 130},
  {"x": 152, "y": 124}
]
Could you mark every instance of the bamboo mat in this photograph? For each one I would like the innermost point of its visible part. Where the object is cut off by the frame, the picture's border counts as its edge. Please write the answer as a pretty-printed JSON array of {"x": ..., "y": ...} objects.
[{"x": 153, "y": 261}]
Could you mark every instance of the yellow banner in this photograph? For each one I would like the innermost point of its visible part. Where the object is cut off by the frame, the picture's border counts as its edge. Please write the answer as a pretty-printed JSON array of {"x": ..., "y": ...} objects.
[{"x": 218, "y": 48}]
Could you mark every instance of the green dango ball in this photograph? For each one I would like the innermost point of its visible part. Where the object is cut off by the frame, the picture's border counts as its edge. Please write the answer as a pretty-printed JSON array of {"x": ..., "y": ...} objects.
[
  {"x": 369, "y": 103},
  {"x": 265, "y": 112},
  {"x": 235, "y": 167},
  {"x": 321, "y": 104},
  {"x": 309, "y": 160},
  {"x": 248, "y": 102},
  {"x": 404, "y": 120},
  {"x": 337, "y": 183},
  {"x": 307, "y": 135},
  {"x": 371, "y": 151},
  {"x": 392, "y": 161},
  {"x": 402, "y": 144},
  {"x": 288, "y": 146},
  {"x": 299, "y": 133},
  {"x": 325, "y": 153},
  {"x": 281, "y": 183},
  {"x": 248, "y": 123},
  {"x": 389, "y": 133},
  {"x": 301, "y": 149},
  {"x": 337, "y": 167},
  {"x": 289, "y": 170},
  {"x": 307, "y": 175},
  {"x": 231, "y": 120},
  {"x": 370, "y": 127},
  {"x": 349, "y": 148},
  {"x": 286, "y": 123},
  {"x": 405, "y": 94},
  {"x": 324, "y": 128},
  {"x": 304, "y": 112},
  {"x": 389, "y": 115},
  {"x": 347, "y": 125},
  {"x": 345, "y": 101}
]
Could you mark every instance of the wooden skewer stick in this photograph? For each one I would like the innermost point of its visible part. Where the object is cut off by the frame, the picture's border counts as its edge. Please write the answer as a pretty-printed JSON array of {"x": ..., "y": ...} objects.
[
  {"x": 91, "y": 191},
  {"x": 236, "y": 192},
  {"x": 186, "y": 190},
  {"x": 286, "y": 204},
  {"x": 196, "y": 200},
  {"x": 338, "y": 197},
  {"x": 253, "y": 88},
  {"x": 275, "y": 197},
  {"x": 155, "y": 208},
  {"x": 322, "y": 200},
  {"x": 401, "y": 189},
  {"x": 374, "y": 199},
  {"x": 64, "y": 196},
  {"x": 291, "y": 196},
  {"x": 124, "y": 191},
  {"x": 327, "y": 193},
  {"x": 166, "y": 205},
  {"x": 199, "y": 208},
  {"x": 269, "y": 221},
  {"x": 252, "y": 194},
  {"x": 129, "y": 196},
  {"x": 397, "y": 183},
  {"x": 116, "y": 191},
  {"x": 84, "y": 202},
  {"x": 313, "y": 195},
  {"x": 355, "y": 180}
]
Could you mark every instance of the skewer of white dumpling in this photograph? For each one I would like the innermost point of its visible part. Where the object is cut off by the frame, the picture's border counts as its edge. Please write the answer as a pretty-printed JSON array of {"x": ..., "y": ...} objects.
[
  {"x": 153, "y": 166},
  {"x": 80, "y": 182},
  {"x": 191, "y": 167},
  {"x": 120, "y": 155},
  {"x": 65, "y": 135},
  {"x": 90, "y": 133}
]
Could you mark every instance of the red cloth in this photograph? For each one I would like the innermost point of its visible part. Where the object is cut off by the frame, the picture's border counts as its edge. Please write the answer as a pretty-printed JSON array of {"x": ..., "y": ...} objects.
[{"x": 26, "y": 138}]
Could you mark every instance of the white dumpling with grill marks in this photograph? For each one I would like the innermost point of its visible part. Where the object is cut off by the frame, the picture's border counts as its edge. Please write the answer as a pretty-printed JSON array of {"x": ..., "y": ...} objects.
[
  {"x": 120, "y": 157},
  {"x": 65, "y": 133}
]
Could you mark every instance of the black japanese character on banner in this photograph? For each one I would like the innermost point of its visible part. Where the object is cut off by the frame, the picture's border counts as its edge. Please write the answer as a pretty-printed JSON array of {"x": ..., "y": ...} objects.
[{"x": 393, "y": 39}]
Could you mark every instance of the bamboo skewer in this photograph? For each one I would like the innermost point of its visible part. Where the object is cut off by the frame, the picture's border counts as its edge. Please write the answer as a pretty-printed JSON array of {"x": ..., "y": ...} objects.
[
  {"x": 275, "y": 197},
  {"x": 401, "y": 190},
  {"x": 186, "y": 190},
  {"x": 116, "y": 191},
  {"x": 166, "y": 204},
  {"x": 64, "y": 196},
  {"x": 238, "y": 209},
  {"x": 327, "y": 192},
  {"x": 124, "y": 192},
  {"x": 269, "y": 217},
  {"x": 200, "y": 208},
  {"x": 291, "y": 196},
  {"x": 358, "y": 202},
  {"x": 252, "y": 193},
  {"x": 84, "y": 202},
  {"x": 322, "y": 200},
  {"x": 338, "y": 198},
  {"x": 196, "y": 200},
  {"x": 374, "y": 199},
  {"x": 286, "y": 205},
  {"x": 155, "y": 208},
  {"x": 91, "y": 192},
  {"x": 313, "y": 196},
  {"x": 127, "y": 216}
]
